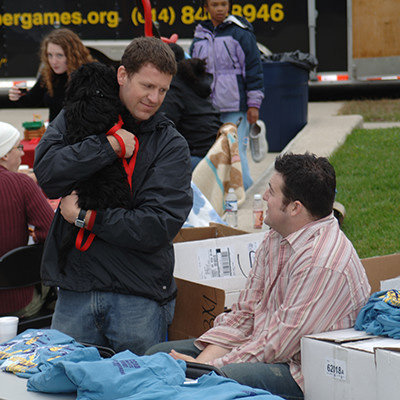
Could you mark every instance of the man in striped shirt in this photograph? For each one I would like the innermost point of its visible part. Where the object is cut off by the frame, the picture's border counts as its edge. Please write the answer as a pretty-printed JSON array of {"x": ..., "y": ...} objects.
[{"x": 307, "y": 278}]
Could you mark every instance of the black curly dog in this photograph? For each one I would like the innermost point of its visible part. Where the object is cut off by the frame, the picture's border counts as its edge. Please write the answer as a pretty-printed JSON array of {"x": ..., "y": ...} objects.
[{"x": 92, "y": 106}]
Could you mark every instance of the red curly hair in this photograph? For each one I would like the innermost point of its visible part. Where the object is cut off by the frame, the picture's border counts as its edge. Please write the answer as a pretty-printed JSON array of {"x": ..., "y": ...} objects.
[{"x": 75, "y": 51}]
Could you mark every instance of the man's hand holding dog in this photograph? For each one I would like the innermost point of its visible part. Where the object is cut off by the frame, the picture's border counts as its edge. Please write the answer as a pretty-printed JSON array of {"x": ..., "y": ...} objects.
[
  {"x": 69, "y": 208},
  {"x": 129, "y": 140}
]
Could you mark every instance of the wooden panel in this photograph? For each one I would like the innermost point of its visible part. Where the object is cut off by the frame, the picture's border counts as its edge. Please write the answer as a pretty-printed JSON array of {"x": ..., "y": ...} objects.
[{"x": 376, "y": 28}]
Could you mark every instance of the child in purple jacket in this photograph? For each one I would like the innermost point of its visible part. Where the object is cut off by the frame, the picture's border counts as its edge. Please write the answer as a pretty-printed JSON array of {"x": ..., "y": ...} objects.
[{"x": 228, "y": 44}]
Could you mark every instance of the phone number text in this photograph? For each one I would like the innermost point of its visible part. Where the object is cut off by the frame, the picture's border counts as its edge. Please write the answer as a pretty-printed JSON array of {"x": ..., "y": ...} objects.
[{"x": 189, "y": 15}]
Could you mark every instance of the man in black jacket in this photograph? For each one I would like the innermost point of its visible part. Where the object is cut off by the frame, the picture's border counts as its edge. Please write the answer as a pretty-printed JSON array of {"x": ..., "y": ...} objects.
[{"x": 120, "y": 292}]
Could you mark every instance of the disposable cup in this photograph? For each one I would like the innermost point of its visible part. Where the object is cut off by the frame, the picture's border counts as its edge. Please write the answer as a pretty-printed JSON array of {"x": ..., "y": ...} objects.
[{"x": 8, "y": 328}]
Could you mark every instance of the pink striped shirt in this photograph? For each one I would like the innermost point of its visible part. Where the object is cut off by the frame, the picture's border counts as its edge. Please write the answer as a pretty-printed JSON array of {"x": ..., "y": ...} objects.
[{"x": 311, "y": 281}]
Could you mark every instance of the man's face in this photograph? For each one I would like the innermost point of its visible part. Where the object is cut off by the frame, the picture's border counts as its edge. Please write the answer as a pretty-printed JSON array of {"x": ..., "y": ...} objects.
[
  {"x": 143, "y": 92},
  {"x": 276, "y": 215}
]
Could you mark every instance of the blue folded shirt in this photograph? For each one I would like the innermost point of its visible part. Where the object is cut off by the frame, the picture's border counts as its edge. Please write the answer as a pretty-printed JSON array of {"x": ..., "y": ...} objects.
[
  {"x": 34, "y": 350},
  {"x": 381, "y": 315}
]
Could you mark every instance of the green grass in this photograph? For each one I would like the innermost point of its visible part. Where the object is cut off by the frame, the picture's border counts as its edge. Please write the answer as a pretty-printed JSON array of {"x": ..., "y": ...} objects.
[
  {"x": 368, "y": 183},
  {"x": 387, "y": 110}
]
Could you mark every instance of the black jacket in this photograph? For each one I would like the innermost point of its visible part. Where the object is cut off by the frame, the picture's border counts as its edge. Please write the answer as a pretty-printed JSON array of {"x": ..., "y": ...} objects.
[
  {"x": 132, "y": 252},
  {"x": 38, "y": 96},
  {"x": 189, "y": 106}
]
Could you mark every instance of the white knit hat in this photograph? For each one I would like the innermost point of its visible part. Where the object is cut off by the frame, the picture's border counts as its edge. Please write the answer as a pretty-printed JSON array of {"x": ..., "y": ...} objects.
[{"x": 8, "y": 137}]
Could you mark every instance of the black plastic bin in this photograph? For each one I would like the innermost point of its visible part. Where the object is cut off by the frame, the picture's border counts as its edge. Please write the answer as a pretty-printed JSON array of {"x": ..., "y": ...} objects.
[{"x": 284, "y": 108}]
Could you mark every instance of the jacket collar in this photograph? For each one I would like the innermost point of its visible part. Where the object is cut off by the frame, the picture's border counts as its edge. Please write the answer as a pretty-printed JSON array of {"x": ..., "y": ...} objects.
[
  {"x": 144, "y": 127},
  {"x": 229, "y": 20}
]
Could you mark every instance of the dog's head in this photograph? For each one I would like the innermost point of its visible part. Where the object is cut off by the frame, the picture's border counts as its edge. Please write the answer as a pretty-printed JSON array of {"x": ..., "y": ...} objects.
[{"x": 92, "y": 102}]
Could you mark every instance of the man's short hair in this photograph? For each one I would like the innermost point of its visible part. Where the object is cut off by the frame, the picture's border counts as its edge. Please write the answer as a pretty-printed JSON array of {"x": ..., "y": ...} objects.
[
  {"x": 308, "y": 179},
  {"x": 148, "y": 50}
]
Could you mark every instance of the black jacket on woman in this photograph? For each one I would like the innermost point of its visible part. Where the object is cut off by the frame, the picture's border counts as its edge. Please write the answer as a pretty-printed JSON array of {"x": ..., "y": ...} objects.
[
  {"x": 39, "y": 96},
  {"x": 188, "y": 105},
  {"x": 132, "y": 252}
]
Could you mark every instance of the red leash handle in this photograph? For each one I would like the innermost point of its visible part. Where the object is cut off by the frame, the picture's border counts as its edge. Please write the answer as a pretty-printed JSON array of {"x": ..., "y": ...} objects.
[
  {"x": 113, "y": 132},
  {"x": 131, "y": 166},
  {"x": 79, "y": 240},
  {"x": 79, "y": 236},
  {"x": 91, "y": 220},
  {"x": 117, "y": 126},
  {"x": 122, "y": 145}
]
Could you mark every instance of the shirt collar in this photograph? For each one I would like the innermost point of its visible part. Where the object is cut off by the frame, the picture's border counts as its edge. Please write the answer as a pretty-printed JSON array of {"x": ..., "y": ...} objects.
[{"x": 297, "y": 239}]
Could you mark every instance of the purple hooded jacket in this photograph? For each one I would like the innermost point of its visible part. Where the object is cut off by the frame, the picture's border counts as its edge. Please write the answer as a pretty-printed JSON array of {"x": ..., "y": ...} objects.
[{"x": 233, "y": 59}]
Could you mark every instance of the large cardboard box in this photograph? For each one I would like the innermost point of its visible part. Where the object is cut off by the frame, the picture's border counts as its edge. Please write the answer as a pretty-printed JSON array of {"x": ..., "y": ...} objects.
[
  {"x": 388, "y": 373},
  {"x": 381, "y": 268},
  {"x": 217, "y": 256},
  {"x": 341, "y": 364},
  {"x": 207, "y": 232},
  {"x": 195, "y": 309}
]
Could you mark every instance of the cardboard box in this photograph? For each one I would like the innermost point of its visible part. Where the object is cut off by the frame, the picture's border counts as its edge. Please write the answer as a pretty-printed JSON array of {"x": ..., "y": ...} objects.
[
  {"x": 217, "y": 256},
  {"x": 206, "y": 232},
  {"x": 388, "y": 373},
  {"x": 195, "y": 310},
  {"x": 391, "y": 284},
  {"x": 341, "y": 364},
  {"x": 381, "y": 268}
]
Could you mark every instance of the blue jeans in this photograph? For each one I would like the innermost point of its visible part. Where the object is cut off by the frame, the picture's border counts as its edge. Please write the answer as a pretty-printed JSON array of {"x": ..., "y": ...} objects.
[
  {"x": 275, "y": 378},
  {"x": 119, "y": 321},
  {"x": 243, "y": 141}
]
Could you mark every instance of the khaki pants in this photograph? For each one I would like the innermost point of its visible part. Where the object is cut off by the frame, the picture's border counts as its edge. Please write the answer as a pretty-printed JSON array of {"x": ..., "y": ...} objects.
[{"x": 35, "y": 305}]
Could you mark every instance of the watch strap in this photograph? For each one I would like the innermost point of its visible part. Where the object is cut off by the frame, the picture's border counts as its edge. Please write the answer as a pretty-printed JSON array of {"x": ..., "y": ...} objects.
[{"x": 80, "y": 220}]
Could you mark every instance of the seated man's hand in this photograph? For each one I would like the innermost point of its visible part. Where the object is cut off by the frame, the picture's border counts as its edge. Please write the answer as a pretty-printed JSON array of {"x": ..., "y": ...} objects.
[{"x": 179, "y": 356}]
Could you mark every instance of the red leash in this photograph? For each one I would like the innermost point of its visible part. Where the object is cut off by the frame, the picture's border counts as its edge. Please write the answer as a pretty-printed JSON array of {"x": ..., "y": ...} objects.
[
  {"x": 79, "y": 237},
  {"x": 129, "y": 167}
]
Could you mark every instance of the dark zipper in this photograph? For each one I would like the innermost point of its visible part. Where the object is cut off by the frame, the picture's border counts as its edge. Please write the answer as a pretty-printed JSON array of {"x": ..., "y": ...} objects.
[{"x": 229, "y": 54}]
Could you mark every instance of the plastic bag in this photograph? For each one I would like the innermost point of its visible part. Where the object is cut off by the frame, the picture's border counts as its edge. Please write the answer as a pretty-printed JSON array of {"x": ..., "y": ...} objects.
[{"x": 306, "y": 61}]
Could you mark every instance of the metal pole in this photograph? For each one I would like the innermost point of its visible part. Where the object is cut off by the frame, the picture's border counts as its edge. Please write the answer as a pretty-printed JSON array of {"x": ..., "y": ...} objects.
[
  {"x": 350, "y": 64},
  {"x": 312, "y": 22}
]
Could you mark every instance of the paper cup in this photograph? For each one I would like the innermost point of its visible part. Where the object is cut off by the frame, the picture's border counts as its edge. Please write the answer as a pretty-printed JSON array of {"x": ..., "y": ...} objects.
[{"x": 8, "y": 328}]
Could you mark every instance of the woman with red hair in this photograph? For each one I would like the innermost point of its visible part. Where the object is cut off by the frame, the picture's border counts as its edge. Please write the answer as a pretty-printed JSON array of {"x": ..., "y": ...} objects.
[{"x": 61, "y": 53}]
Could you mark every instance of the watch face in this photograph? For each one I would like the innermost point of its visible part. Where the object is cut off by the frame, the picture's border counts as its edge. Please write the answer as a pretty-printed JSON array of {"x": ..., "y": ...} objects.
[{"x": 80, "y": 223}]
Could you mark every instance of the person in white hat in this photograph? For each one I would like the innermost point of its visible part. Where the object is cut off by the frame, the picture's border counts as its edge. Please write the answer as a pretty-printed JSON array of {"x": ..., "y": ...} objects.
[
  {"x": 22, "y": 205},
  {"x": 10, "y": 138}
]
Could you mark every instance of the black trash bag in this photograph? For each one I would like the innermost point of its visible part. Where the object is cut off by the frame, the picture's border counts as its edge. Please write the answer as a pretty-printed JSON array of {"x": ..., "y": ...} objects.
[{"x": 306, "y": 61}]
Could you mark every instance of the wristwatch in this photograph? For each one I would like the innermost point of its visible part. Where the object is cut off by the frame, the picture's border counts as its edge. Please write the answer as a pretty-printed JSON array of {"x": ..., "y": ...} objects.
[{"x": 80, "y": 219}]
